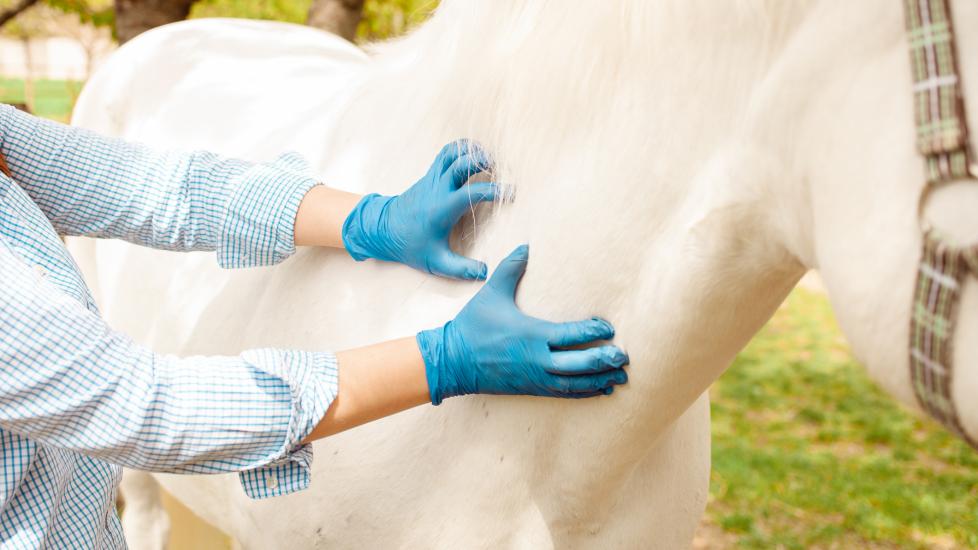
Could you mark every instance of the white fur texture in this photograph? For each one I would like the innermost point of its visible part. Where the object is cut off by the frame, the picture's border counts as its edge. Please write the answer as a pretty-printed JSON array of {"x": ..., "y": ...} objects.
[{"x": 678, "y": 165}]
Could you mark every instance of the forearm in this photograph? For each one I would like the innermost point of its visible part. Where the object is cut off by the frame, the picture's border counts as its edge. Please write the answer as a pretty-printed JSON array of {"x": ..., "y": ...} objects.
[
  {"x": 70, "y": 382},
  {"x": 91, "y": 185},
  {"x": 319, "y": 220},
  {"x": 375, "y": 381}
]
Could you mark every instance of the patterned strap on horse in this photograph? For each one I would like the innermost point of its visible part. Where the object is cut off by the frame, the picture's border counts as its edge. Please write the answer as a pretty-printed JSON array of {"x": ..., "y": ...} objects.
[{"x": 942, "y": 138}]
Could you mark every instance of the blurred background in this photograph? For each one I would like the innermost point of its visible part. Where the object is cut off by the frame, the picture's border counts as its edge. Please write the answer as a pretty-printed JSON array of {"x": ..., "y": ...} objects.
[
  {"x": 48, "y": 48},
  {"x": 807, "y": 451}
]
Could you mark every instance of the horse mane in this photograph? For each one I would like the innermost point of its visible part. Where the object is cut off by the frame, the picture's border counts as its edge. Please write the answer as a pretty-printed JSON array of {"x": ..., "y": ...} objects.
[{"x": 584, "y": 91}]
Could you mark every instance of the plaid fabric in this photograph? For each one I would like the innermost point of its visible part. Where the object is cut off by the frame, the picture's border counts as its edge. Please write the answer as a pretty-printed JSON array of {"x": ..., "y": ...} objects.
[
  {"x": 940, "y": 278},
  {"x": 938, "y": 104},
  {"x": 79, "y": 400},
  {"x": 942, "y": 138}
]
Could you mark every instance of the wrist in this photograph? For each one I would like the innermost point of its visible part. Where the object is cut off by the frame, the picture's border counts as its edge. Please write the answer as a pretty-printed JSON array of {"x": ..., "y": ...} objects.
[{"x": 319, "y": 218}]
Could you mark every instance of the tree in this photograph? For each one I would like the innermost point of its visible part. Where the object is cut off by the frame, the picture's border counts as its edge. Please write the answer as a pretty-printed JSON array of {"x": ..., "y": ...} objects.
[
  {"x": 340, "y": 17},
  {"x": 135, "y": 16},
  {"x": 26, "y": 28},
  {"x": 383, "y": 19},
  {"x": 351, "y": 19},
  {"x": 71, "y": 18},
  {"x": 98, "y": 13},
  {"x": 15, "y": 10}
]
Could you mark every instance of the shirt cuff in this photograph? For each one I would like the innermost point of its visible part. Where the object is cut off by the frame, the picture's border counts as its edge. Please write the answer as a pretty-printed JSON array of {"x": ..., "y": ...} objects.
[
  {"x": 313, "y": 382},
  {"x": 259, "y": 221}
]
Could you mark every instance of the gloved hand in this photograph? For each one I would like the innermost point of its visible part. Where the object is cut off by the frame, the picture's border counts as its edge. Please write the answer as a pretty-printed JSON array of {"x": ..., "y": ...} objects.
[
  {"x": 492, "y": 347},
  {"x": 413, "y": 228}
]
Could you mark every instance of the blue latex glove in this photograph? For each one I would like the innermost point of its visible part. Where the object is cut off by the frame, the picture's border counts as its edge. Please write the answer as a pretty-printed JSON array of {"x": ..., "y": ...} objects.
[
  {"x": 413, "y": 228},
  {"x": 492, "y": 347}
]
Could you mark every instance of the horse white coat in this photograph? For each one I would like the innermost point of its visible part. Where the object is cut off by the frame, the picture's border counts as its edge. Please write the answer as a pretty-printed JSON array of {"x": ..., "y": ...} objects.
[{"x": 678, "y": 164}]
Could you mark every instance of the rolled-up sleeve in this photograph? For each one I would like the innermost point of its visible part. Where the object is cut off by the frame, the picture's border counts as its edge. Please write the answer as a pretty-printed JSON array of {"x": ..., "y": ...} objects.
[
  {"x": 90, "y": 185},
  {"x": 70, "y": 382}
]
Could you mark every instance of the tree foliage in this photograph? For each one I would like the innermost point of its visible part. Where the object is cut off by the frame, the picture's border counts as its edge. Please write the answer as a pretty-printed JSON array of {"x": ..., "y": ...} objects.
[
  {"x": 381, "y": 18},
  {"x": 387, "y": 18},
  {"x": 44, "y": 17},
  {"x": 292, "y": 11},
  {"x": 93, "y": 12}
]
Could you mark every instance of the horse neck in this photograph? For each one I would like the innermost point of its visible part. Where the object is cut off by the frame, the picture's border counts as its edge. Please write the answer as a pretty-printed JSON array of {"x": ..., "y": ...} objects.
[
  {"x": 619, "y": 125},
  {"x": 608, "y": 100}
]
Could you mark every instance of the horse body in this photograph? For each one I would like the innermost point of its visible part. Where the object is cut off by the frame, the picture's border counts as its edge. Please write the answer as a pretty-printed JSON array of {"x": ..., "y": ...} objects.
[{"x": 676, "y": 172}]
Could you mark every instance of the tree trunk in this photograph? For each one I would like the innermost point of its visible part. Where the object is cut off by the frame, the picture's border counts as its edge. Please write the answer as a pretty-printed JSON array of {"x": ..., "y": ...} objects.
[
  {"x": 28, "y": 74},
  {"x": 339, "y": 17},
  {"x": 135, "y": 16}
]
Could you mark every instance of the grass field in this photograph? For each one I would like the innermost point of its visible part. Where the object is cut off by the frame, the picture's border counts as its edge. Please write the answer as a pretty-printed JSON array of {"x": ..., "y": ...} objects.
[
  {"x": 52, "y": 98},
  {"x": 807, "y": 452}
]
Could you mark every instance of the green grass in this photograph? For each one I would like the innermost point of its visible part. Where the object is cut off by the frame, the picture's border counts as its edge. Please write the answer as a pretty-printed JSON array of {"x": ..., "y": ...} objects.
[
  {"x": 808, "y": 452},
  {"x": 52, "y": 98}
]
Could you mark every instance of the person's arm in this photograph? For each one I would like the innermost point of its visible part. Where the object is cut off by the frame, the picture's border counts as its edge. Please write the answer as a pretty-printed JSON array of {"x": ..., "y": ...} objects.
[
  {"x": 70, "y": 382},
  {"x": 91, "y": 185},
  {"x": 251, "y": 214},
  {"x": 378, "y": 381},
  {"x": 319, "y": 220}
]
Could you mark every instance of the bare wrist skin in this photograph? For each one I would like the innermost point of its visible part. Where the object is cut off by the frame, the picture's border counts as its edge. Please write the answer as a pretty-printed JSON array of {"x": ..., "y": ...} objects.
[
  {"x": 319, "y": 221},
  {"x": 375, "y": 381}
]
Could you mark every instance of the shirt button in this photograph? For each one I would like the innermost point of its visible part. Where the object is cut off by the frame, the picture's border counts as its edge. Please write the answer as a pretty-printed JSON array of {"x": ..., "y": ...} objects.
[
  {"x": 40, "y": 271},
  {"x": 272, "y": 481}
]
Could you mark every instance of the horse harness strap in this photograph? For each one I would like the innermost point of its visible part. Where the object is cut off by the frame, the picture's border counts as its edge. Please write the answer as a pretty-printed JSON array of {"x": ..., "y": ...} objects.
[{"x": 942, "y": 139}]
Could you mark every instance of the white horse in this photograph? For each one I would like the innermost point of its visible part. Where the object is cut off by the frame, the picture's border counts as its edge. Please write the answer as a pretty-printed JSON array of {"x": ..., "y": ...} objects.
[{"x": 679, "y": 165}]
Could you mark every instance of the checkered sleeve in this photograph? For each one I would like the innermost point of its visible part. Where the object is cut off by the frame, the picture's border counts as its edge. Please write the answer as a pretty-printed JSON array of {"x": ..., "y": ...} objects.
[
  {"x": 95, "y": 186},
  {"x": 70, "y": 382}
]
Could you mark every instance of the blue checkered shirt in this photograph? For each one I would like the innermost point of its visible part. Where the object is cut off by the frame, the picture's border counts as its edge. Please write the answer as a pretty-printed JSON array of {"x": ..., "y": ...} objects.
[{"x": 78, "y": 400}]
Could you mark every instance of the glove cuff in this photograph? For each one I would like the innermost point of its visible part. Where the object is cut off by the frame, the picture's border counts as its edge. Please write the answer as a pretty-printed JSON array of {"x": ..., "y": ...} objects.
[
  {"x": 441, "y": 384},
  {"x": 360, "y": 226}
]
